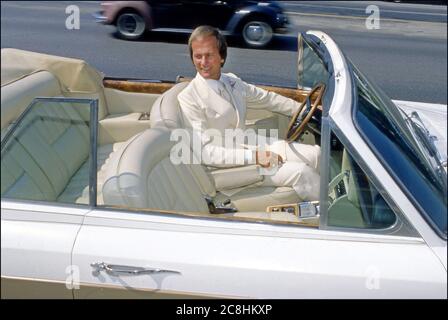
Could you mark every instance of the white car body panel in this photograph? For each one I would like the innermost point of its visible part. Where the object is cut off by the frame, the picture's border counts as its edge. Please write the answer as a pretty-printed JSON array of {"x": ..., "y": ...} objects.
[
  {"x": 244, "y": 260},
  {"x": 37, "y": 241}
]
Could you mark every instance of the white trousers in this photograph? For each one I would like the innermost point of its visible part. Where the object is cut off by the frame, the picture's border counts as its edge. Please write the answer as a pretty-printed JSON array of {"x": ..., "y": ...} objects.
[{"x": 300, "y": 169}]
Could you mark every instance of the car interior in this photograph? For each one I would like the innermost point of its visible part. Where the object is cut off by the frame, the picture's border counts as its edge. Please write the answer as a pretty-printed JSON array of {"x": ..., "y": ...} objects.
[
  {"x": 353, "y": 201},
  {"x": 131, "y": 126},
  {"x": 47, "y": 156}
]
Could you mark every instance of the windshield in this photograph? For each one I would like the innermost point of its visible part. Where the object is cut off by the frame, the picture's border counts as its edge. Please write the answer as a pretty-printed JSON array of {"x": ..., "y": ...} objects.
[
  {"x": 311, "y": 68},
  {"x": 383, "y": 126}
]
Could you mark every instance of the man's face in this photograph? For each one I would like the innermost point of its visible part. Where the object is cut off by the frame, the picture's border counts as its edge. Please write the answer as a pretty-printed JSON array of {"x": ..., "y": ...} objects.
[{"x": 206, "y": 57}]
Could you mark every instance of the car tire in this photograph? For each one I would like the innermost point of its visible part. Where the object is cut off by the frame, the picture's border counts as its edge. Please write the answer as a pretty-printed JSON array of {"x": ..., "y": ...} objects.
[
  {"x": 130, "y": 26},
  {"x": 257, "y": 33}
]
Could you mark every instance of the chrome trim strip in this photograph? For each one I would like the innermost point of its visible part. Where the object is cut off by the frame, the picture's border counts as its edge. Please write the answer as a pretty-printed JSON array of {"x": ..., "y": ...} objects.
[
  {"x": 241, "y": 228},
  {"x": 99, "y": 17},
  {"x": 103, "y": 290},
  {"x": 203, "y": 216},
  {"x": 32, "y": 279},
  {"x": 9, "y": 201},
  {"x": 132, "y": 293},
  {"x": 34, "y": 288},
  {"x": 324, "y": 172},
  {"x": 63, "y": 99},
  {"x": 93, "y": 152}
]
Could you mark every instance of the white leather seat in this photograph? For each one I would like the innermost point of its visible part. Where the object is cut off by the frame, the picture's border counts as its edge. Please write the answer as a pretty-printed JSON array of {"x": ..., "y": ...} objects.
[
  {"x": 141, "y": 175},
  {"x": 166, "y": 113}
]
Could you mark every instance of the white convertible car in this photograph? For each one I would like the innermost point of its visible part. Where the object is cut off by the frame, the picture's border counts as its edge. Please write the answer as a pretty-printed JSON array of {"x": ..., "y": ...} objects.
[{"x": 93, "y": 207}]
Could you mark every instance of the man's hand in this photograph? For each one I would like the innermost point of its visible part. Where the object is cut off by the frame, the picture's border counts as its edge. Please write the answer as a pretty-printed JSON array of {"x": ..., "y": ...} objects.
[{"x": 267, "y": 158}]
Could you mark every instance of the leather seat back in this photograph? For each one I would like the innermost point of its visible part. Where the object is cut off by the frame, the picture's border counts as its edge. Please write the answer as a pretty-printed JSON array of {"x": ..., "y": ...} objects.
[
  {"x": 19, "y": 94},
  {"x": 142, "y": 175},
  {"x": 165, "y": 111}
]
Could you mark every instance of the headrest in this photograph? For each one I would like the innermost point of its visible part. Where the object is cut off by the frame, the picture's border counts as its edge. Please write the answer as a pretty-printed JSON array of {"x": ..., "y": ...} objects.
[
  {"x": 17, "y": 95},
  {"x": 165, "y": 111}
]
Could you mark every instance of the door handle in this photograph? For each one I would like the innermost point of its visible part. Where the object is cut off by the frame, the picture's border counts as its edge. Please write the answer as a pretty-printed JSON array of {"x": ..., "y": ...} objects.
[{"x": 113, "y": 269}]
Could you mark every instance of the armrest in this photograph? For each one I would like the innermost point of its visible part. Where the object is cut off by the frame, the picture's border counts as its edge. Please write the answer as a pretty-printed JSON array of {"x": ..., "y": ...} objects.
[{"x": 237, "y": 177}]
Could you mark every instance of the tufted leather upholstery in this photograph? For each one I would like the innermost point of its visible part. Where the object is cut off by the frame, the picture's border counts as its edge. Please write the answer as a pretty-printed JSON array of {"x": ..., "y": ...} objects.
[
  {"x": 45, "y": 153},
  {"x": 141, "y": 175},
  {"x": 18, "y": 95},
  {"x": 166, "y": 113},
  {"x": 49, "y": 159}
]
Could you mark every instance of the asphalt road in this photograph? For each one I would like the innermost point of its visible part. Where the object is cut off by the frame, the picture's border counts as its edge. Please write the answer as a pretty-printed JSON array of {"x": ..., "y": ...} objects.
[
  {"x": 406, "y": 57},
  {"x": 405, "y": 11}
]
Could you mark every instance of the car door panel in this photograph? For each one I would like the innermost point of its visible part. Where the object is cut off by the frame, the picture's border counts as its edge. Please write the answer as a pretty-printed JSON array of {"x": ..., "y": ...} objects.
[
  {"x": 36, "y": 250},
  {"x": 242, "y": 260}
]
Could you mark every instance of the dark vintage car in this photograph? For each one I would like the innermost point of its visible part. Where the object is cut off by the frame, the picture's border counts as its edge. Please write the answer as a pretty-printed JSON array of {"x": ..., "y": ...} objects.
[{"x": 254, "y": 21}]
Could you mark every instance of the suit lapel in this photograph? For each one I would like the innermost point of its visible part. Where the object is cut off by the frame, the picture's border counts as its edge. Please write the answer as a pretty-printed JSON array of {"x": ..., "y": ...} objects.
[
  {"x": 213, "y": 100},
  {"x": 231, "y": 86}
]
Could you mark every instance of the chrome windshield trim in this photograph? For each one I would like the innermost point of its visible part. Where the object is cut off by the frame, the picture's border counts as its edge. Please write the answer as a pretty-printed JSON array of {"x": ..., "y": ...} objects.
[
  {"x": 324, "y": 171},
  {"x": 93, "y": 164}
]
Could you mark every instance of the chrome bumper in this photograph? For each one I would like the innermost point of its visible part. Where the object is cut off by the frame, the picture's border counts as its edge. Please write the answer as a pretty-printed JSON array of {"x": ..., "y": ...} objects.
[
  {"x": 282, "y": 30},
  {"x": 99, "y": 18}
]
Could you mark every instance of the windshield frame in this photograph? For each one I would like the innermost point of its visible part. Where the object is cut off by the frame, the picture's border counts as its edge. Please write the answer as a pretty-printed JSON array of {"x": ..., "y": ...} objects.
[{"x": 409, "y": 138}]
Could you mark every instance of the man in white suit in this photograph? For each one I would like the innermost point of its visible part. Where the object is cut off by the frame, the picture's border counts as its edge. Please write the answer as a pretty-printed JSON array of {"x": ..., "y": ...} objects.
[{"x": 214, "y": 100}]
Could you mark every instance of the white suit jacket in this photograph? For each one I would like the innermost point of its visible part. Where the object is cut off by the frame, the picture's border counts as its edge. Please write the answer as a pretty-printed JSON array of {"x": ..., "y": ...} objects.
[{"x": 202, "y": 106}]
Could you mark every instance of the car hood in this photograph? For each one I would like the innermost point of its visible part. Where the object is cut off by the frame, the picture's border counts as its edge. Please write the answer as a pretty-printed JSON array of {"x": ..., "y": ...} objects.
[{"x": 434, "y": 116}]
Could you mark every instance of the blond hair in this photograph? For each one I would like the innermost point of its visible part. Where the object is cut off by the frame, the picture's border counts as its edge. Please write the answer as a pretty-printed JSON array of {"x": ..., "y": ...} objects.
[{"x": 205, "y": 31}]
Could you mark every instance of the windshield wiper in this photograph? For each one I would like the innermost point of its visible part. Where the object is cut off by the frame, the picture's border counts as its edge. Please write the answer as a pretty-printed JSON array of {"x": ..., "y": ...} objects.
[
  {"x": 427, "y": 140},
  {"x": 425, "y": 136}
]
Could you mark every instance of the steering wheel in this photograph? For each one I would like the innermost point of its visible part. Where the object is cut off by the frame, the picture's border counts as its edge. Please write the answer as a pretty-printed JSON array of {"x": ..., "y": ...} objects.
[{"x": 300, "y": 119}]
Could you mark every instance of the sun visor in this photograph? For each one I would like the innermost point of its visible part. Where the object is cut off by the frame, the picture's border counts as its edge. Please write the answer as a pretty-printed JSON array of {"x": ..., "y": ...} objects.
[{"x": 74, "y": 75}]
